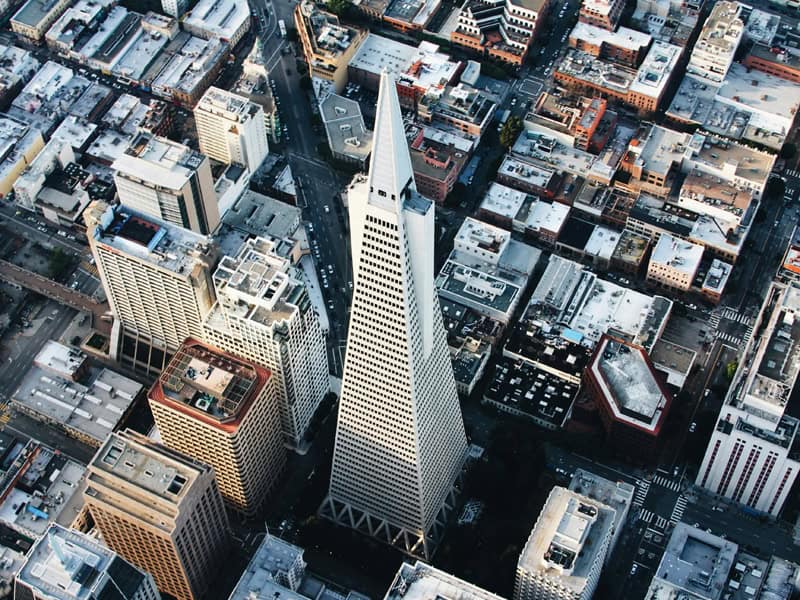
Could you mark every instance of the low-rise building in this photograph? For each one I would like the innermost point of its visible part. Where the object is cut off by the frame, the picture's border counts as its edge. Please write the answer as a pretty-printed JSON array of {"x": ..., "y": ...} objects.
[
  {"x": 674, "y": 263},
  {"x": 227, "y": 20},
  {"x": 630, "y": 252},
  {"x": 348, "y": 138},
  {"x": 76, "y": 26},
  {"x": 695, "y": 564},
  {"x": 601, "y": 13},
  {"x": 461, "y": 107},
  {"x": 86, "y": 403},
  {"x": 780, "y": 62},
  {"x": 35, "y": 17},
  {"x": 719, "y": 39},
  {"x": 19, "y": 145},
  {"x": 190, "y": 70},
  {"x": 67, "y": 565},
  {"x": 487, "y": 270},
  {"x": 436, "y": 166},
  {"x": 420, "y": 581},
  {"x": 413, "y": 15},
  {"x": 671, "y": 21},
  {"x": 566, "y": 550},
  {"x": 625, "y": 46},
  {"x": 715, "y": 281},
  {"x": 41, "y": 486},
  {"x": 502, "y": 30},
  {"x": 328, "y": 44},
  {"x": 632, "y": 401},
  {"x": 416, "y": 71},
  {"x": 642, "y": 88},
  {"x": 528, "y": 176}
]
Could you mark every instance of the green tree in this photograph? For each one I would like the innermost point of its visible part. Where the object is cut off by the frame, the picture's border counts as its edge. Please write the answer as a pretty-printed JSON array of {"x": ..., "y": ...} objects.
[
  {"x": 775, "y": 189},
  {"x": 510, "y": 131},
  {"x": 59, "y": 263},
  {"x": 730, "y": 369},
  {"x": 340, "y": 8},
  {"x": 788, "y": 150}
]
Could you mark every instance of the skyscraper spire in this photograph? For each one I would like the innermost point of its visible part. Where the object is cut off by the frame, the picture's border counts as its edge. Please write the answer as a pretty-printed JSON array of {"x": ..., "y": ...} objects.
[
  {"x": 400, "y": 441},
  {"x": 390, "y": 171}
]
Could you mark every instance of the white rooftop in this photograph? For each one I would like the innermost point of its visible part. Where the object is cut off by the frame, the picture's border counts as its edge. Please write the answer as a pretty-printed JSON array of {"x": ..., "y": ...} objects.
[
  {"x": 677, "y": 254},
  {"x": 155, "y": 159},
  {"x": 602, "y": 242},
  {"x": 547, "y": 216},
  {"x": 424, "y": 582},
  {"x": 630, "y": 39},
  {"x": 221, "y": 18},
  {"x": 655, "y": 71},
  {"x": 503, "y": 200}
]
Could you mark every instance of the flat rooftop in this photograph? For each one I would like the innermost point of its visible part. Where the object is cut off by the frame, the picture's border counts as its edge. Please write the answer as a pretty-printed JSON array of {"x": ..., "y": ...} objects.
[
  {"x": 158, "y": 159},
  {"x": 92, "y": 407},
  {"x": 263, "y": 576},
  {"x": 629, "y": 385},
  {"x": 478, "y": 287},
  {"x": 717, "y": 277},
  {"x": 222, "y": 18},
  {"x": 503, "y": 201},
  {"x": 345, "y": 128},
  {"x": 169, "y": 247},
  {"x": 532, "y": 390},
  {"x": 677, "y": 254},
  {"x": 656, "y": 70},
  {"x": 631, "y": 248},
  {"x": 33, "y": 12},
  {"x": 544, "y": 216},
  {"x": 210, "y": 384},
  {"x": 525, "y": 172},
  {"x": 416, "y": 12},
  {"x": 730, "y": 159},
  {"x": 424, "y": 582},
  {"x": 185, "y": 69},
  {"x": 568, "y": 539},
  {"x": 136, "y": 460},
  {"x": 630, "y": 39},
  {"x": 39, "y": 486},
  {"x": 695, "y": 561},
  {"x": 69, "y": 565}
]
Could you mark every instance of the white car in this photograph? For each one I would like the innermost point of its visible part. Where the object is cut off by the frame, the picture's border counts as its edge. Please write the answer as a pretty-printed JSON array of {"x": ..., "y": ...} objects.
[{"x": 326, "y": 208}]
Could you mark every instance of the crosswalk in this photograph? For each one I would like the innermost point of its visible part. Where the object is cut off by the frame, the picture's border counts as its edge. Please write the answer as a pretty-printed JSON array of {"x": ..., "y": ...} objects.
[
  {"x": 90, "y": 269},
  {"x": 642, "y": 488},
  {"x": 713, "y": 321},
  {"x": 677, "y": 512},
  {"x": 661, "y": 523},
  {"x": 675, "y": 486},
  {"x": 793, "y": 172},
  {"x": 646, "y": 516},
  {"x": 748, "y": 334},
  {"x": 730, "y": 339},
  {"x": 734, "y": 315}
]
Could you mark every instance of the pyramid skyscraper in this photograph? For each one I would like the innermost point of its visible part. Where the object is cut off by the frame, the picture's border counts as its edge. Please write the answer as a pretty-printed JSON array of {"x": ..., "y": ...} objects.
[{"x": 400, "y": 441}]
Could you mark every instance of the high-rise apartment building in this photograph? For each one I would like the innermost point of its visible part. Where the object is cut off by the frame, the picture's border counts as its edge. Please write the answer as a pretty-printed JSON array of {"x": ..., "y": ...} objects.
[
  {"x": 400, "y": 441},
  {"x": 263, "y": 313},
  {"x": 222, "y": 410},
  {"x": 169, "y": 181},
  {"x": 157, "y": 278},
  {"x": 565, "y": 552},
  {"x": 65, "y": 564},
  {"x": 752, "y": 456},
  {"x": 719, "y": 39},
  {"x": 174, "y": 8},
  {"x": 160, "y": 510},
  {"x": 231, "y": 129}
]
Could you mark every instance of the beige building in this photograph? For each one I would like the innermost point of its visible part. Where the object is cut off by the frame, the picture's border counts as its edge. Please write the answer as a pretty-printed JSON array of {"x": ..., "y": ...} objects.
[
  {"x": 169, "y": 181},
  {"x": 159, "y": 510},
  {"x": 19, "y": 145},
  {"x": 674, "y": 263},
  {"x": 157, "y": 278},
  {"x": 36, "y": 16},
  {"x": 222, "y": 410},
  {"x": 327, "y": 44},
  {"x": 231, "y": 129},
  {"x": 264, "y": 314}
]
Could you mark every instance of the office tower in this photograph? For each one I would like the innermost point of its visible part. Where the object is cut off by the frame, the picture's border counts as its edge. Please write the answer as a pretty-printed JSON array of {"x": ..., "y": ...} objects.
[
  {"x": 565, "y": 552},
  {"x": 750, "y": 457},
  {"x": 169, "y": 181},
  {"x": 263, "y": 314},
  {"x": 231, "y": 129},
  {"x": 400, "y": 441},
  {"x": 160, "y": 510},
  {"x": 174, "y": 8},
  {"x": 222, "y": 410},
  {"x": 68, "y": 565},
  {"x": 157, "y": 278}
]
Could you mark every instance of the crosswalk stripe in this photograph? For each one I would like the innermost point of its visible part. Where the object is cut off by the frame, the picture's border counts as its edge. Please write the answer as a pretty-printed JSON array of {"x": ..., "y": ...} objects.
[
  {"x": 646, "y": 516},
  {"x": 677, "y": 512},
  {"x": 661, "y": 522}
]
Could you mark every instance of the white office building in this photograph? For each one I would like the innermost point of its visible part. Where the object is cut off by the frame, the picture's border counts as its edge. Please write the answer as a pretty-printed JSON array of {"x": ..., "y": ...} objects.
[
  {"x": 174, "y": 8},
  {"x": 400, "y": 440},
  {"x": 264, "y": 314},
  {"x": 566, "y": 550},
  {"x": 157, "y": 278},
  {"x": 68, "y": 565},
  {"x": 169, "y": 181},
  {"x": 231, "y": 129},
  {"x": 715, "y": 48},
  {"x": 752, "y": 457}
]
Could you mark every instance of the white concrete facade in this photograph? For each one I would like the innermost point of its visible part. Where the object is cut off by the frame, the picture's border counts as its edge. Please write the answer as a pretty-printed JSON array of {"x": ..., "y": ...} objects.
[
  {"x": 400, "y": 440},
  {"x": 231, "y": 129}
]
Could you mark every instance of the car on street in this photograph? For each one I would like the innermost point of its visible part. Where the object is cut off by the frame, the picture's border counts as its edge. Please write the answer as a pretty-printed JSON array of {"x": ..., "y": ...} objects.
[
  {"x": 326, "y": 208},
  {"x": 692, "y": 427}
]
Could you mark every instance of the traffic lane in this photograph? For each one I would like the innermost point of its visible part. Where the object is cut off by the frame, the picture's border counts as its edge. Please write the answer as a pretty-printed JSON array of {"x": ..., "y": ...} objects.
[
  {"x": 25, "y": 427},
  {"x": 769, "y": 538},
  {"x": 33, "y": 234}
]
